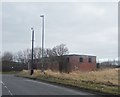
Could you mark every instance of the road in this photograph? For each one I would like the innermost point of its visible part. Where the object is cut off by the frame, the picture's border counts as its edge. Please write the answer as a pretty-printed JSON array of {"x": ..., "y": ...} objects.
[{"x": 12, "y": 85}]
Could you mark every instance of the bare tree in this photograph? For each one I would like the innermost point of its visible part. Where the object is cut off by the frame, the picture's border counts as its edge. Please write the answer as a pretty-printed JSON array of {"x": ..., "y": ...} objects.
[
  {"x": 23, "y": 56},
  {"x": 27, "y": 55},
  {"x": 37, "y": 53},
  {"x": 7, "y": 56},
  {"x": 60, "y": 50},
  {"x": 49, "y": 52},
  {"x": 19, "y": 57}
]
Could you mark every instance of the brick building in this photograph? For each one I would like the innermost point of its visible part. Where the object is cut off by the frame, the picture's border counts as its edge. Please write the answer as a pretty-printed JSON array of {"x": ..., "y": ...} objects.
[
  {"x": 69, "y": 63},
  {"x": 81, "y": 62}
]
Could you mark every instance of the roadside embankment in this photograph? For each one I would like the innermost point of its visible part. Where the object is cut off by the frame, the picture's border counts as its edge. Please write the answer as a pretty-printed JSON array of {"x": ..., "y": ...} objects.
[{"x": 102, "y": 81}]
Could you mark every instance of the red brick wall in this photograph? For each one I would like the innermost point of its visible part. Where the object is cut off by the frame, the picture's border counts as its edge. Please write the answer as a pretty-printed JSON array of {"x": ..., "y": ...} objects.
[{"x": 75, "y": 64}]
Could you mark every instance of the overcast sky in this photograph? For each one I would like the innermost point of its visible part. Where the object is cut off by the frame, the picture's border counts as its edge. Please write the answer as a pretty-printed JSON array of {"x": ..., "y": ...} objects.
[{"x": 86, "y": 28}]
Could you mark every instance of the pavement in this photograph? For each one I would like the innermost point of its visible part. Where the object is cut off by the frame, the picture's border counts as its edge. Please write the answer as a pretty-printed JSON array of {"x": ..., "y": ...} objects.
[{"x": 12, "y": 85}]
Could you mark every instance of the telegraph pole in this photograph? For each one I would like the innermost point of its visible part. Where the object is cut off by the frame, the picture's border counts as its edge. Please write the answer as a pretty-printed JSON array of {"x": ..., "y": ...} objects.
[
  {"x": 42, "y": 69},
  {"x": 32, "y": 63}
]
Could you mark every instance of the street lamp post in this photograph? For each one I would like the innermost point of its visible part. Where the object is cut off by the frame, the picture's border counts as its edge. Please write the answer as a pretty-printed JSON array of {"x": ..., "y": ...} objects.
[
  {"x": 32, "y": 71},
  {"x": 42, "y": 16}
]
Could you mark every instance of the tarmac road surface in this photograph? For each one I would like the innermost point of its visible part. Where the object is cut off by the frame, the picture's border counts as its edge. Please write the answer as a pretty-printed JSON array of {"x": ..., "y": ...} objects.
[{"x": 12, "y": 85}]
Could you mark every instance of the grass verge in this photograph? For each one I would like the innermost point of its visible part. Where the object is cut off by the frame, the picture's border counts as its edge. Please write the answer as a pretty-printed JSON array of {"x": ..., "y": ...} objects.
[
  {"x": 10, "y": 72},
  {"x": 79, "y": 82}
]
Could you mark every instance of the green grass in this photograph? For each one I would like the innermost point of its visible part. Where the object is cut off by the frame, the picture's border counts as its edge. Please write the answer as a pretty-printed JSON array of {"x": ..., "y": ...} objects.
[{"x": 9, "y": 72}]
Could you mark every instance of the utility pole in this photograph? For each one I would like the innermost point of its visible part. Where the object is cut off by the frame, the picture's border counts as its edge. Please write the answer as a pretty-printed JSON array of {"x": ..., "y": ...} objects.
[
  {"x": 42, "y": 69},
  {"x": 32, "y": 63}
]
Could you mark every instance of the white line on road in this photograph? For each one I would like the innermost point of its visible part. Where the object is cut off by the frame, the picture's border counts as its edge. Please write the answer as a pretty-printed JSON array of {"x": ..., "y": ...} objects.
[
  {"x": 10, "y": 93},
  {"x": 2, "y": 83},
  {"x": 7, "y": 88}
]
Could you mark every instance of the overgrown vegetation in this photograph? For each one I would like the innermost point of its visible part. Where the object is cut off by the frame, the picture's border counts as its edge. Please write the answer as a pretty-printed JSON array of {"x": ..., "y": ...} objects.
[
  {"x": 105, "y": 81},
  {"x": 22, "y": 59},
  {"x": 10, "y": 66}
]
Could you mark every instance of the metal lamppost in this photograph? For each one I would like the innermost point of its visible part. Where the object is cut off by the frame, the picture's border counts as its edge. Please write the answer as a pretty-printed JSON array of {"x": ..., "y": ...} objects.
[
  {"x": 32, "y": 70},
  {"x": 42, "y": 16}
]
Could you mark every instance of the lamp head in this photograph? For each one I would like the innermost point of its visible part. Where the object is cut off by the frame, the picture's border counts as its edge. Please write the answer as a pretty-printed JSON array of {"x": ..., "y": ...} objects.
[
  {"x": 32, "y": 28},
  {"x": 41, "y": 15}
]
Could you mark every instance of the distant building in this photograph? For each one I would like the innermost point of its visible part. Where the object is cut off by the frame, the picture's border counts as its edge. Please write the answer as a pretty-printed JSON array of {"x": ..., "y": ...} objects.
[
  {"x": 69, "y": 63},
  {"x": 109, "y": 64}
]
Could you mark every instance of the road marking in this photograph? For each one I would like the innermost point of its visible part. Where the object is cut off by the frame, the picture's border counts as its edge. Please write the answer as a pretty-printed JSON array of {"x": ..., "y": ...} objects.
[
  {"x": 7, "y": 88},
  {"x": 10, "y": 93},
  {"x": 2, "y": 83}
]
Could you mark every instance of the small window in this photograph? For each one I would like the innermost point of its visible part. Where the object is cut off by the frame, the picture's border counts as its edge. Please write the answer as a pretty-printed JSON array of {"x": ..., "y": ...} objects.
[
  {"x": 67, "y": 60},
  {"x": 81, "y": 59},
  {"x": 89, "y": 60}
]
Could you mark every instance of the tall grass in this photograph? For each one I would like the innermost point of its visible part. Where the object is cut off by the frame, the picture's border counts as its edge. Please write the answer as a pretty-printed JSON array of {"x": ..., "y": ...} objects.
[
  {"x": 105, "y": 80},
  {"x": 100, "y": 76}
]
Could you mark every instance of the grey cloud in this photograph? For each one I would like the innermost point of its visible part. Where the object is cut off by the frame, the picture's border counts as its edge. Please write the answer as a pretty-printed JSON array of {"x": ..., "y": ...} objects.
[{"x": 84, "y": 27}]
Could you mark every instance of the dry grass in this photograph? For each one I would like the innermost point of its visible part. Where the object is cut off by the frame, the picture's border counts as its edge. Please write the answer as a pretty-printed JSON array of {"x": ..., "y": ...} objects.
[
  {"x": 105, "y": 80},
  {"x": 100, "y": 76}
]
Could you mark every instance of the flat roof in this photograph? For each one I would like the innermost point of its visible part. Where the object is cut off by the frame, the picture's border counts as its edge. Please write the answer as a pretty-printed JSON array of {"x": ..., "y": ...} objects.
[{"x": 80, "y": 55}]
